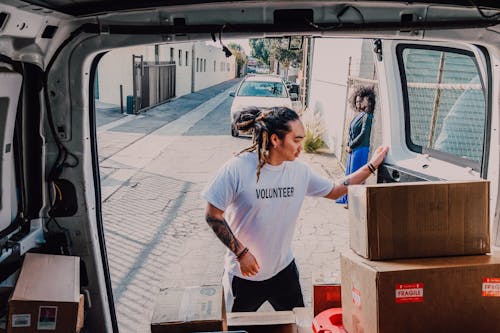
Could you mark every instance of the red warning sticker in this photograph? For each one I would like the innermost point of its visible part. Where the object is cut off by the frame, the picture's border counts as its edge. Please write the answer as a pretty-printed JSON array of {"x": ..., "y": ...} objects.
[
  {"x": 356, "y": 297},
  {"x": 410, "y": 293},
  {"x": 491, "y": 287}
]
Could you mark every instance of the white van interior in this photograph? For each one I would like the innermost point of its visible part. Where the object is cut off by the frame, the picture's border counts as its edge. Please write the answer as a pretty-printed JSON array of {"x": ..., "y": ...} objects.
[{"x": 49, "y": 50}]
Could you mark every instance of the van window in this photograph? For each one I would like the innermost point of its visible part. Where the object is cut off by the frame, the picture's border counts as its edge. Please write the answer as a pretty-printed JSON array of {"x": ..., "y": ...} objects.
[{"x": 445, "y": 109}]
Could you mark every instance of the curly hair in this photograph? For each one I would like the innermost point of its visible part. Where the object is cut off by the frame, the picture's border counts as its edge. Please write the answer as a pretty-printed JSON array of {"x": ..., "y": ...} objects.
[
  {"x": 264, "y": 122},
  {"x": 363, "y": 91}
]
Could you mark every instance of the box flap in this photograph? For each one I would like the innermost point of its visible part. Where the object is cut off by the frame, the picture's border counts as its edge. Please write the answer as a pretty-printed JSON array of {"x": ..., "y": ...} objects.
[
  {"x": 425, "y": 263},
  {"x": 48, "y": 278},
  {"x": 198, "y": 303},
  {"x": 303, "y": 319},
  {"x": 325, "y": 278},
  {"x": 260, "y": 318},
  {"x": 430, "y": 183}
]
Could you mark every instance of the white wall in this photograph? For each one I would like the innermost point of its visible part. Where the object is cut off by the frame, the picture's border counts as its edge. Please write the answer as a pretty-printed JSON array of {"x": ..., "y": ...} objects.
[
  {"x": 225, "y": 68},
  {"x": 328, "y": 87},
  {"x": 115, "y": 68},
  {"x": 182, "y": 71}
]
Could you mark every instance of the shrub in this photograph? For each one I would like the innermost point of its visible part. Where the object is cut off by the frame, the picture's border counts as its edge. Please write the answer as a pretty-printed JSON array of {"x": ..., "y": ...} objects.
[
  {"x": 313, "y": 139},
  {"x": 312, "y": 142}
]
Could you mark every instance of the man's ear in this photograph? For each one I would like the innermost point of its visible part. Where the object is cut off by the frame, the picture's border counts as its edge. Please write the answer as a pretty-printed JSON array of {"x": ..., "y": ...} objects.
[{"x": 275, "y": 140}]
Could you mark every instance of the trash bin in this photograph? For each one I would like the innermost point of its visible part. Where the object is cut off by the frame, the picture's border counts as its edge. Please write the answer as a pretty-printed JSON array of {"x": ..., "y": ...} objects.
[{"x": 130, "y": 104}]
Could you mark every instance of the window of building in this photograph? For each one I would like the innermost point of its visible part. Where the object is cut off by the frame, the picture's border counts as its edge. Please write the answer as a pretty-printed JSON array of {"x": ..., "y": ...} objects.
[
  {"x": 187, "y": 58},
  {"x": 180, "y": 57},
  {"x": 197, "y": 64},
  {"x": 215, "y": 66},
  {"x": 157, "y": 54},
  {"x": 445, "y": 105},
  {"x": 204, "y": 65},
  {"x": 228, "y": 67},
  {"x": 171, "y": 54}
]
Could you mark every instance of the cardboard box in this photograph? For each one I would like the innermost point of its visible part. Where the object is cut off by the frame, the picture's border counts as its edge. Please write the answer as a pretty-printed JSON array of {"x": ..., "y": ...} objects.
[
  {"x": 190, "y": 309},
  {"x": 448, "y": 294},
  {"x": 303, "y": 319},
  {"x": 326, "y": 291},
  {"x": 47, "y": 295},
  {"x": 262, "y": 322},
  {"x": 423, "y": 219}
]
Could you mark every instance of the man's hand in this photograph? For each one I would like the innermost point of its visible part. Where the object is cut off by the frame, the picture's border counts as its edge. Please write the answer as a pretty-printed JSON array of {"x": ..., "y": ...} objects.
[
  {"x": 378, "y": 156},
  {"x": 248, "y": 264},
  {"x": 348, "y": 150}
]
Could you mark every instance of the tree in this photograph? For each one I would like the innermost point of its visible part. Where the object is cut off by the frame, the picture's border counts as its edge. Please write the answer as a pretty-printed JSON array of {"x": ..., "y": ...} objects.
[
  {"x": 241, "y": 57},
  {"x": 287, "y": 57},
  {"x": 273, "y": 49},
  {"x": 260, "y": 49}
]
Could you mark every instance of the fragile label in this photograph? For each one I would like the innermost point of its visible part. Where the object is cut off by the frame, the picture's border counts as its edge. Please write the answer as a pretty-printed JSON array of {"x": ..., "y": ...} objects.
[
  {"x": 47, "y": 317},
  {"x": 356, "y": 296},
  {"x": 21, "y": 320},
  {"x": 410, "y": 293},
  {"x": 491, "y": 287}
]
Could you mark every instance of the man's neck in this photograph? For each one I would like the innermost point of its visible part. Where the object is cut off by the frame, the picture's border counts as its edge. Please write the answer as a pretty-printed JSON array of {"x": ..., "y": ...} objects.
[{"x": 274, "y": 159}]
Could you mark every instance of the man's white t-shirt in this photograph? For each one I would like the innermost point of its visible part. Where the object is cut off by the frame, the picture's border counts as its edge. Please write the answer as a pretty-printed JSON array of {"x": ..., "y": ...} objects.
[{"x": 263, "y": 214}]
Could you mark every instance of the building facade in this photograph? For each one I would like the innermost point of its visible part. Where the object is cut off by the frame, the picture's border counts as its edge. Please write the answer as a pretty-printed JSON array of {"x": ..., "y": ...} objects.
[{"x": 192, "y": 66}]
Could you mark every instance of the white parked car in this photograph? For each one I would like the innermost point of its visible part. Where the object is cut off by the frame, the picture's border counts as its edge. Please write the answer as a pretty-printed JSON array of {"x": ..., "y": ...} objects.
[{"x": 258, "y": 91}]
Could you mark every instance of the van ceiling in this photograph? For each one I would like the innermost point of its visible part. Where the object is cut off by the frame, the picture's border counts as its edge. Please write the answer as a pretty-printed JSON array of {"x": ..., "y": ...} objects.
[{"x": 89, "y": 7}]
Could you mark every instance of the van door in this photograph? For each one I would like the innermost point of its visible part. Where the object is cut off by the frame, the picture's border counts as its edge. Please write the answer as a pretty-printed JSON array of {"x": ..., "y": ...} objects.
[
  {"x": 10, "y": 82},
  {"x": 437, "y": 113}
]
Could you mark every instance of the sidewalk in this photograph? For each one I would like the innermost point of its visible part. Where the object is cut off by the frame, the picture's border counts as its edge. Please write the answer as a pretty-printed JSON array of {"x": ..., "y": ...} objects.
[{"x": 153, "y": 214}]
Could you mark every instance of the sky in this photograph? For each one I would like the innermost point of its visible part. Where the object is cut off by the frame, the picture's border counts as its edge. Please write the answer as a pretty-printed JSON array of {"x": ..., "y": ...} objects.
[{"x": 243, "y": 42}]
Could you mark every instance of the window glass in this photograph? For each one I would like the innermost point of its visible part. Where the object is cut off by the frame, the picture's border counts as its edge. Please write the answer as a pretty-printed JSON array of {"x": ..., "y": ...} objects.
[
  {"x": 157, "y": 54},
  {"x": 262, "y": 89},
  {"x": 446, "y": 103}
]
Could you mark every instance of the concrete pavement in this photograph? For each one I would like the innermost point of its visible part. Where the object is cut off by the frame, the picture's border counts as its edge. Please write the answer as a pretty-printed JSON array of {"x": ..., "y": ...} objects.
[{"x": 153, "y": 214}]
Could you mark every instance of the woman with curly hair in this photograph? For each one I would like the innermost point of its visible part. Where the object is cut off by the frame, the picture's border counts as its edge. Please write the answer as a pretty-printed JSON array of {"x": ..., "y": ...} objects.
[
  {"x": 253, "y": 203},
  {"x": 363, "y": 102}
]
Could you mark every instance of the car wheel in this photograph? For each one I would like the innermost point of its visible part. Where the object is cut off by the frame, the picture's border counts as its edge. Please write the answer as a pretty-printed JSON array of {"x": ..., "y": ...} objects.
[{"x": 234, "y": 132}]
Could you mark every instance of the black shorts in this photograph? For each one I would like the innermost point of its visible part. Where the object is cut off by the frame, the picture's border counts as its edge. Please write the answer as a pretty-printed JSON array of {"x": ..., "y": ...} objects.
[{"x": 282, "y": 291}]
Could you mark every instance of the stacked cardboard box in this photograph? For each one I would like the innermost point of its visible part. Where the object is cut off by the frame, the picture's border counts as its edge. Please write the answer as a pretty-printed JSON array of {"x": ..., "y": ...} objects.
[
  {"x": 47, "y": 296},
  {"x": 457, "y": 290}
]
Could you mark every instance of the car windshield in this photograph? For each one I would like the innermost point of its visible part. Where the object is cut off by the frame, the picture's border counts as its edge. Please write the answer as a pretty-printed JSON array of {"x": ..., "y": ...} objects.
[{"x": 262, "y": 89}]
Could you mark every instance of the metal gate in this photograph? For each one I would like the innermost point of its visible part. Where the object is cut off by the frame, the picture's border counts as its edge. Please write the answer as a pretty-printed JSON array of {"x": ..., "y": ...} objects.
[{"x": 153, "y": 83}]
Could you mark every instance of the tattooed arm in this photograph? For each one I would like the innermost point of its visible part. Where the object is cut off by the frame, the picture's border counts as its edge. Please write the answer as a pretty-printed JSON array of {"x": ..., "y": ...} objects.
[{"x": 215, "y": 219}]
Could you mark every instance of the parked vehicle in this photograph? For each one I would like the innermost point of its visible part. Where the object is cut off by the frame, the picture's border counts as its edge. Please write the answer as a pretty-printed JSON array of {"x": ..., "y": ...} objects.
[
  {"x": 49, "y": 51},
  {"x": 258, "y": 91}
]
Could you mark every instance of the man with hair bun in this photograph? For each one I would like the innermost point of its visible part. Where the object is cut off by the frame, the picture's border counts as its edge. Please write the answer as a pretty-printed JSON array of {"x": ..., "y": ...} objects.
[{"x": 253, "y": 203}]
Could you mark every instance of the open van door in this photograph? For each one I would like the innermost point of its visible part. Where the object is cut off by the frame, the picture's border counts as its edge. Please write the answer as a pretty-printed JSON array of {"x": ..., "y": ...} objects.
[
  {"x": 10, "y": 81},
  {"x": 437, "y": 111}
]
